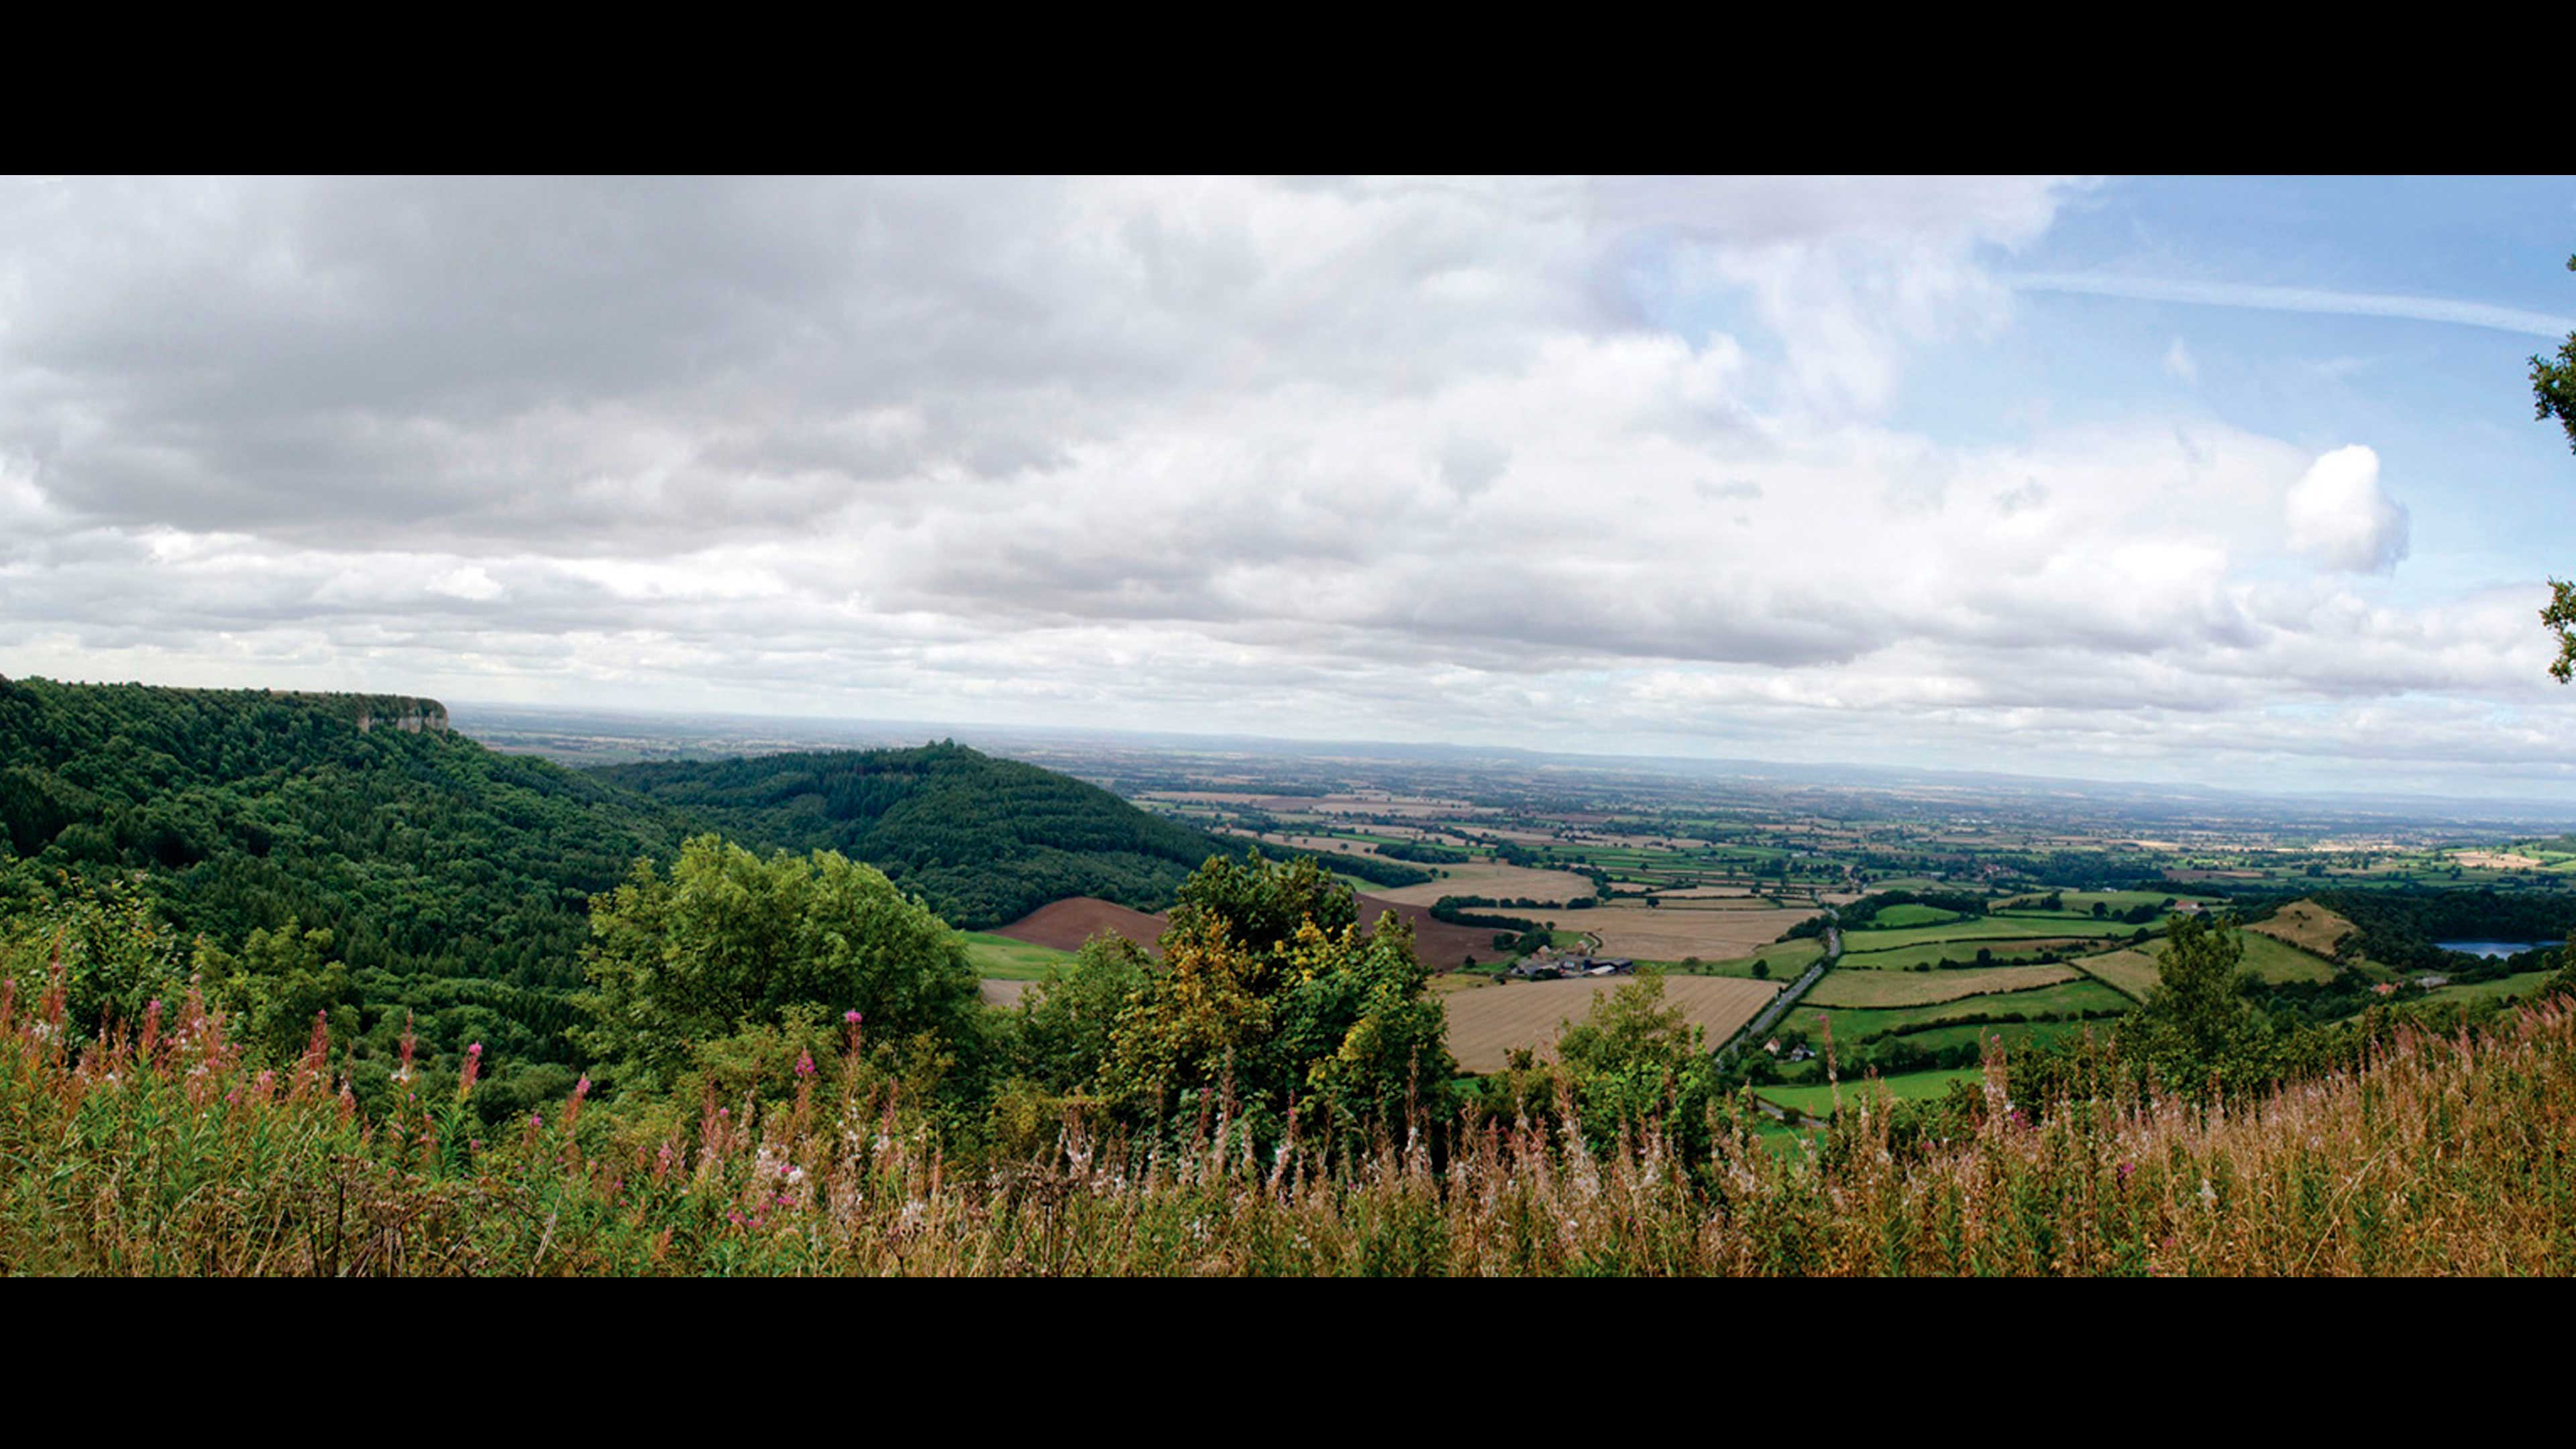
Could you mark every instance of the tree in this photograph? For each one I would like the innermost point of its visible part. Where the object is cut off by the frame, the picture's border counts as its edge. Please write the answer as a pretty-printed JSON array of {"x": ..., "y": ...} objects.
[
  {"x": 1633, "y": 1059},
  {"x": 2196, "y": 1029},
  {"x": 731, "y": 943},
  {"x": 1270, "y": 993},
  {"x": 2553, "y": 393}
]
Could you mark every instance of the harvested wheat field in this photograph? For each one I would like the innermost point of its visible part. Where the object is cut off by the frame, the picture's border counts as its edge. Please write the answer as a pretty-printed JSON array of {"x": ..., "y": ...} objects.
[
  {"x": 2307, "y": 925},
  {"x": 1003, "y": 993},
  {"x": 1067, "y": 923},
  {"x": 1653, "y": 934},
  {"x": 1485, "y": 1025},
  {"x": 1503, "y": 882},
  {"x": 1925, "y": 988}
]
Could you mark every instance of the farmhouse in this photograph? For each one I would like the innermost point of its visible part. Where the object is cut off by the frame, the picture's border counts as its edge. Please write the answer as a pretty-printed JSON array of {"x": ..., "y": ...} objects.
[{"x": 1537, "y": 968}]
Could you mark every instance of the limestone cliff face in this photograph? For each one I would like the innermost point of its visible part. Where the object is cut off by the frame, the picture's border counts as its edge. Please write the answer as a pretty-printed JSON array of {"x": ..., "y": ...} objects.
[{"x": 402, "y": 712}]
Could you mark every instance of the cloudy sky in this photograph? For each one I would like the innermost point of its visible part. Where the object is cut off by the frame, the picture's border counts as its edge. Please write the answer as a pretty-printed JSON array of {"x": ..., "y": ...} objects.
[{"x": 2225, "y": 481}]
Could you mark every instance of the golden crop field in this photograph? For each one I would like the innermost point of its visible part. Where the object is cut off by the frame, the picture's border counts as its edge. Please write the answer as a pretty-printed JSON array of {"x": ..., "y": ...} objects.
[
  {"x": 1655, "y": 934},
  {"x": 1484, "y": 1025},
  {"x": 1924, "y": 988},
  {"x": 1502, "y": 882}
]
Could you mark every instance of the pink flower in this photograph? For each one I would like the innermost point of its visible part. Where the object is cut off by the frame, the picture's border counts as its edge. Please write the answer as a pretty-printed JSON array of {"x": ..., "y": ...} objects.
[
  {"x": 804, "y": 1064},
  {"x": 852, "y": 1016},
  {"x": 2125, "y": 1169},
  {"x": 475, "y": 1050}
]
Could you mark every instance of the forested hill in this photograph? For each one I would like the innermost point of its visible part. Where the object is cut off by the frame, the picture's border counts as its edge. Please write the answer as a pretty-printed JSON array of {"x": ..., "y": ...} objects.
[
  {"x": 454, "y": 880},
  {"x": 983, "y": 840}
]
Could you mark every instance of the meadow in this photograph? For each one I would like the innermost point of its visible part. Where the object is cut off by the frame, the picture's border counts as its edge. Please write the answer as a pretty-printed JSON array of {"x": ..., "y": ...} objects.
[
  {"x": 1921, "y": 988},
  {"x": 1852, "y": 1024}
]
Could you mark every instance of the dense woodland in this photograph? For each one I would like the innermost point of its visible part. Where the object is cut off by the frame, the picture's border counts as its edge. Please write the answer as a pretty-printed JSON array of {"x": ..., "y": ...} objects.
[{"x": 402, "y": 873}]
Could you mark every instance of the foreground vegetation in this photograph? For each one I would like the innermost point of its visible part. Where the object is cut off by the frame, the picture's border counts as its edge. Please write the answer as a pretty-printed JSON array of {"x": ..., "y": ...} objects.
[{"x": 172, "y": 1151}]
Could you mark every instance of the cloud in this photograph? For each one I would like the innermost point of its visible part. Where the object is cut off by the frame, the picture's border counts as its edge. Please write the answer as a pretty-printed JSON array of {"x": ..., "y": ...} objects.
[
  {"x": 2341, "y": 517},
  {"x": 1337, "y": 458},
  {"x": 2178, "y": 362},
  {"x": 2300, "y": 299}
]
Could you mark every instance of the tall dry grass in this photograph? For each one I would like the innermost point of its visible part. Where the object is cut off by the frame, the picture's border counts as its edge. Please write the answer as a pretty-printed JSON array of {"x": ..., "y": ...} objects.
[{"x": 161, "y": 1150}]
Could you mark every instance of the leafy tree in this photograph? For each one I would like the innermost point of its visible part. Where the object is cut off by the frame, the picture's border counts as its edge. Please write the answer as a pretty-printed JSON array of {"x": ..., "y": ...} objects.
[
  {"x": 729, "y": 943},
  {"x": 2553, "y": 394},
  {"x": 2196, "y": 1027},
  {"x": 1632, "y": 1058},
  {"x": 277, "y": 983},
  {"x": 1066, "y": 1021},
  {"x": 1270, "y": 994}
]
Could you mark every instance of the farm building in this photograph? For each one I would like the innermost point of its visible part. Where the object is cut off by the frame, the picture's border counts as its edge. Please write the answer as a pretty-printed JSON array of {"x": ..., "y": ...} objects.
[{"x": 1539, "y": 969}]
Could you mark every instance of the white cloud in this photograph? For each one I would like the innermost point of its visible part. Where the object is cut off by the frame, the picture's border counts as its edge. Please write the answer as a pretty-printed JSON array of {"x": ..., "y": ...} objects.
[
  {"x": 1408, "y": 459},
  {"x": 2341, "y": 517},
  {"x": 2179, "y": 363}
]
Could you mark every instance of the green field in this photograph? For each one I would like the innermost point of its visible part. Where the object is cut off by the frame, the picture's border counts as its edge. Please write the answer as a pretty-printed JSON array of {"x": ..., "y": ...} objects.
[
  {"x": 1857, "y": 1023},
  {"x": 1818, "y": 1100},
  {"x": 1787, "y": 959},
  {"x": 2133, "y": 972},
  {"x": 2015, "y": 1036},
  {"x": 1933, "y": 953},
  {"x": 1000, "y": 958},
  {"x": 1991, "y": 928},
  {"x": 1923, "y": 988},
  {"x": 1898, "y": 917},
  {"x": 2521, "y": 984}
]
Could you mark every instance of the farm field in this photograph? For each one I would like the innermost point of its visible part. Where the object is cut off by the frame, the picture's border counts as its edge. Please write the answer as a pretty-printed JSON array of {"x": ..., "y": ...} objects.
[
  {"x": 1066, "y": 924},
  {"x": 2015, "y": 1035},
  {"x": 1000, "y": 958},
  {"x": 1818, "y": 1100},
  {"x": 1787, "y": 960},
  {"x": 2133, "y": 972},
  {"x": 1922, "y": 988},
  {"x": 2521, "y": 984},
  {"x": 1655, "y": 934},
  {"x": 1990, "y": 928},
  {"x": 1854, "y": 1024},
  {"x": 1002, "y": 992},
  {"x": 1910, "y": 914},
  {"x": 1485, "y": 1025},
  {"x": 2005, "y": 953},
  {"x": 1492, "y": 878},
  {"x": 2305, "y": 924}
]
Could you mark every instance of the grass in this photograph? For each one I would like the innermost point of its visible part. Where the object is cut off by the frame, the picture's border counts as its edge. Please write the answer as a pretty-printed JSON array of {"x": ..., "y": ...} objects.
[
  {"x": 2521, "y": 984},
  {"x": 1921, "y": 988},
  {"x": 172, "y": 1154},
  {"x": 999, "y": 958},
  {"x": 1911, "y": 914},
  {"x": 1818, "y": 1101},
  {"x": 1985, "y": 929},
  {"x": 1933, "y": 953},
  {"x": 1787, "y": 960},
  {"x": 1855, "y": 1023},
  {"x": 2132, "y": 972}
]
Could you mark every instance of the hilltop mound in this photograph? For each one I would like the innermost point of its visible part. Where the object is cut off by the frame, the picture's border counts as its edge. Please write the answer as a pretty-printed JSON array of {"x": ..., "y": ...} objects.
[{"x": 2306, "y": 925}]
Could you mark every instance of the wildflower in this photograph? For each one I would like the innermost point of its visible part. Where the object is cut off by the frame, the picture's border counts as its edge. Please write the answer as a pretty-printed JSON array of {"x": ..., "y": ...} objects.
[
  {"x": 2125, "y": 1169},
  {"x": 852, "y": 1016},
  {"x": 475, "y": 1050},
  {"x": 804, "y": 1064},
  {"x": 536, "y": 1119}
]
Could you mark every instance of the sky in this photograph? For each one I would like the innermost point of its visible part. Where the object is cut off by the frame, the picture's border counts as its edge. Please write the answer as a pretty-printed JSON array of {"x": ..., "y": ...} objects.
[{"x": 2226, "y": 481}]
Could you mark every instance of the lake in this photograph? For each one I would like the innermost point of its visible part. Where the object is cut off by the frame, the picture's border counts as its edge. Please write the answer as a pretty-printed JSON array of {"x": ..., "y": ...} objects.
[{"x": 2493, "y": 948}]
